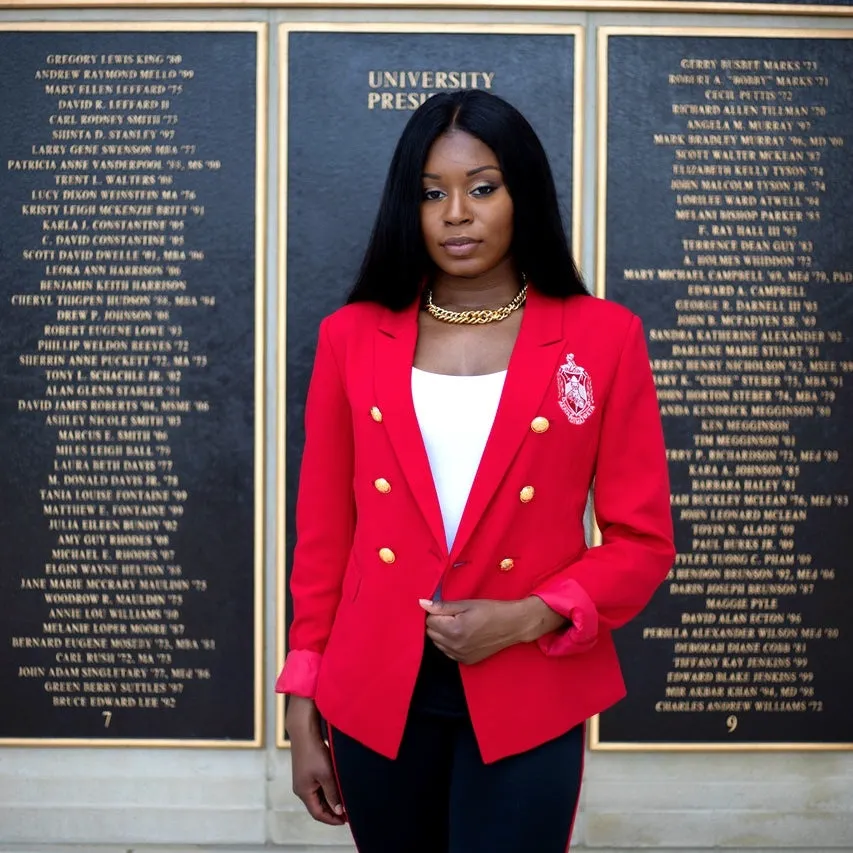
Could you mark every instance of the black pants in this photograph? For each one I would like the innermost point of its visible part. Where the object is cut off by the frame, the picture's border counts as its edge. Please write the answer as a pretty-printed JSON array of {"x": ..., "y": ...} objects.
[{"x": 439, "y": 797}]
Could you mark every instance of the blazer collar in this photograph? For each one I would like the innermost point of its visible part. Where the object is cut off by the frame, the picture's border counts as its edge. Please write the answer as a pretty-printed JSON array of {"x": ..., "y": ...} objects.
[
  {"x": 395, "y": 351},
  {"x": 531, "y": 368}
]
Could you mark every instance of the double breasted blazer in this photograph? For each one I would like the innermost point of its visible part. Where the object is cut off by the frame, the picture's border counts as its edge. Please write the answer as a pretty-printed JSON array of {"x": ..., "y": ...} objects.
[{"x": 578, "y": 411}]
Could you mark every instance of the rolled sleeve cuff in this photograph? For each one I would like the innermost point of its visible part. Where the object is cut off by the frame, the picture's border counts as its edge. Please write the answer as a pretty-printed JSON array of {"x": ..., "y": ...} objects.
[
  {"x": 299, "y": 674},
  {"x": 569, "y": 599}
]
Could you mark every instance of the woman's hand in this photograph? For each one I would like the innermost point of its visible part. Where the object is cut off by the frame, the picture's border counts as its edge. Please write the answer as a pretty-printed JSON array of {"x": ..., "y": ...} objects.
[
  {"x": 313, "y": 774},
  {"x": 470, "y": 631}
]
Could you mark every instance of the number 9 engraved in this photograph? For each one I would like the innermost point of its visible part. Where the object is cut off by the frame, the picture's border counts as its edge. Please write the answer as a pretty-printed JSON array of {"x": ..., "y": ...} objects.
[{"x": 731, "y": 723}]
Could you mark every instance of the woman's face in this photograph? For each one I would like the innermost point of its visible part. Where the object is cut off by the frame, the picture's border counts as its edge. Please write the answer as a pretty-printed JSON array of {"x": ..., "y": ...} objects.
[{"x": 466, "y": 211}]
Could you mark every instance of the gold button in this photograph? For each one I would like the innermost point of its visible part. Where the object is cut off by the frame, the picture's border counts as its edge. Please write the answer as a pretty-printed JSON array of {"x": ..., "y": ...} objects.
[
  {"x": 526, "y": 494},
  {"x": 387, "y": 555},
  {"x": 376, "y": 415},
  {"x": 507, "y": 564},
  {"x": 382, "y": 485},
  {"x": 540, "y": 425}
]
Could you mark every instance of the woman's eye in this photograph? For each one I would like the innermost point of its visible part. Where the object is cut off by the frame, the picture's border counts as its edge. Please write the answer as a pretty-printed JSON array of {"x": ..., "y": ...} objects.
[
  {"x": 483, "y": 190},
  {"x": 433, "y": 195}
]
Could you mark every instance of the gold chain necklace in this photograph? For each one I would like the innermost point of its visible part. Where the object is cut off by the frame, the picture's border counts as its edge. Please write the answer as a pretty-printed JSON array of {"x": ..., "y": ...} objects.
[{"x": 479, "y": 317}]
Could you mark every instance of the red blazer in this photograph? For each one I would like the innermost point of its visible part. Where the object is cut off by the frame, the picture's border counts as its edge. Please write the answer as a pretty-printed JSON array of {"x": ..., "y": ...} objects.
[{"x": 578, "y": 407}]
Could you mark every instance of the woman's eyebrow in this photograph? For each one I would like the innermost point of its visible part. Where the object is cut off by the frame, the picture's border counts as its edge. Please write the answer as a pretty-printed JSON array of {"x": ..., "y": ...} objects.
[{"x": 476, "y": 171}]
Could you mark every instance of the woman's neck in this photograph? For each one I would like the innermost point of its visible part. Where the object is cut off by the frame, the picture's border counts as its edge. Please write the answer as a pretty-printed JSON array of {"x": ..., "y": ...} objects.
[{"x": 493, "y": 289}]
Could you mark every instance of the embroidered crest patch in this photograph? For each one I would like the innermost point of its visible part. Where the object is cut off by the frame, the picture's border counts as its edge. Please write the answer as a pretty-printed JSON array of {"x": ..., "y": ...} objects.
[{"x": 575, "y": 390}]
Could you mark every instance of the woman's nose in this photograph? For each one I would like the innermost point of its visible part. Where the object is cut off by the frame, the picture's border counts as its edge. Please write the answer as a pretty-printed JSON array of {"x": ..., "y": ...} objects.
[{"x": 458, "y": 212}]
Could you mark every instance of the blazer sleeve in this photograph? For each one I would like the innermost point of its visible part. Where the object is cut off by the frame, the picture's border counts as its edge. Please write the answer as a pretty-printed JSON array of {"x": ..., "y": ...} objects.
[
  {"x": 325, "y": 520},
  {"x": 614, "y": 581}
]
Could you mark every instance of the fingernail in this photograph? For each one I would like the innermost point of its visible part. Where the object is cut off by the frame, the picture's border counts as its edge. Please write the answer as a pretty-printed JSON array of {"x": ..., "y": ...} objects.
[
  {"x": 339, "y": 809},
  {"x": 425, "y": 602}
]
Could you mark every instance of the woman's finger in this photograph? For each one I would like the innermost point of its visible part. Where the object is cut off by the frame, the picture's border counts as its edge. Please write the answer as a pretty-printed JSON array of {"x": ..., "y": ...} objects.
[
  {"x": 444, "y": 648},
  {"x": 332, "y": 795},
  {"x": 438, "y": 638},
  {"x": 318, "y": 808}
]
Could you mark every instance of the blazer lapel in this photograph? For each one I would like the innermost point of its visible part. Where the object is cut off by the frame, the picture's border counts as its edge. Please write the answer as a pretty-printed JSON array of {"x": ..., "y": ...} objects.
[
  {"x": 395, "y": 352},
  {"x": 532, "y": 369}
]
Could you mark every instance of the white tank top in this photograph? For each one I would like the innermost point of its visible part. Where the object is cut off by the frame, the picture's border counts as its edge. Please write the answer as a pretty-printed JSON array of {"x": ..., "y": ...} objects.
[{"x": 455, "y": 414}]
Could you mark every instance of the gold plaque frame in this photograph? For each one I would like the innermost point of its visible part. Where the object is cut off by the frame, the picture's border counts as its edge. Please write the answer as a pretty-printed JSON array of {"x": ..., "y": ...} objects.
[
  {"x": 284, "y": 30},
  {"x": 260, "y": 402},
  {"x": 604, "y": 34},
  {"x": 731, "y": 7}
]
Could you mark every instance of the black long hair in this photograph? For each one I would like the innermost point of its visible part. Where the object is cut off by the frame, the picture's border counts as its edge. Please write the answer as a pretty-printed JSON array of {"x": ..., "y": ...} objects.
[{"x": 396, "y": 260}]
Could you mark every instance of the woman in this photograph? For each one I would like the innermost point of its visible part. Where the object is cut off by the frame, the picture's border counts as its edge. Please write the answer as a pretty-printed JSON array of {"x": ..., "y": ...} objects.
[{"x": 450, "y": 623}]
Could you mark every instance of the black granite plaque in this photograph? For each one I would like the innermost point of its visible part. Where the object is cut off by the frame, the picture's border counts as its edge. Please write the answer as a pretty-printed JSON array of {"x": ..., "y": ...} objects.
[
  {"x": 727, "y": 174},
  {"x": 128, "y": 427},
  {"x": 349, "y": 97}
]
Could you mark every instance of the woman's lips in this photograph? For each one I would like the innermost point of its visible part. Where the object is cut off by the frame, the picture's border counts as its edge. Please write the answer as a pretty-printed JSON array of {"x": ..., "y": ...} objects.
[{"x": 460, "y": 247}]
